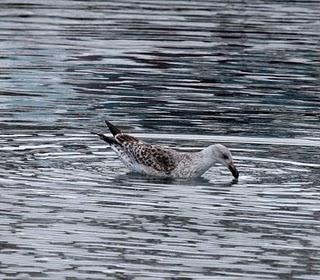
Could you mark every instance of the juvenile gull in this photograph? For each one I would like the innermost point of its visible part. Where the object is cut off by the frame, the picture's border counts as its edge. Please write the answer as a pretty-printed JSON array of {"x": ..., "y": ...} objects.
[{"x": 156, "y": 160}]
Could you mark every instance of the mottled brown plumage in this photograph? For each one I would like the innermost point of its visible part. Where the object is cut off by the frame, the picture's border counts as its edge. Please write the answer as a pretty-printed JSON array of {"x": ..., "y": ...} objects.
[
  {"x": 152, "y": 156},
  {"x": 156, "y": 160},
  {"x": 125, "y": 138},
  {"x": 137, "y": 152}
]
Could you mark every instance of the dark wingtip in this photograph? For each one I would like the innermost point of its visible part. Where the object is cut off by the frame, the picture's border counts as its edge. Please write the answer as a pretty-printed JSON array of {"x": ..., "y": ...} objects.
[
  {"x": 96, "y": 133},
  {"x": 114, "y": 130},
  {"x": 109, "y": 140}
]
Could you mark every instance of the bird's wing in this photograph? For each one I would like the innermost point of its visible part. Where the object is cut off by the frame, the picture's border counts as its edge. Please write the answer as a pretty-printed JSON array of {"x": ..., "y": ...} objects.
[
  {"x": 114, "y": 130},
  {"x": 123, "y": 138},
  {"x": 161, "y": 159},
  {"x": 119, "y": 136},
  {"x": 153, "y": 156}
]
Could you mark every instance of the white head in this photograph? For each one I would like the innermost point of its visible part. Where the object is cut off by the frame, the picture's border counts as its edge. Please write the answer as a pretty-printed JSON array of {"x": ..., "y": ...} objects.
[{"x": 223, "y": 156}]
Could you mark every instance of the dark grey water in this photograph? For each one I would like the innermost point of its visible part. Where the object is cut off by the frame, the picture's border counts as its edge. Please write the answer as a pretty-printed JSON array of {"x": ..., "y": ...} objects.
[{"x": 181, "y": 73}]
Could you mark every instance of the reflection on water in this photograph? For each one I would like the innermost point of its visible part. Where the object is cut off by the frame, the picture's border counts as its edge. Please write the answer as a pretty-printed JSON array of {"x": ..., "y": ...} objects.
[{"x": 181, "y": 73}]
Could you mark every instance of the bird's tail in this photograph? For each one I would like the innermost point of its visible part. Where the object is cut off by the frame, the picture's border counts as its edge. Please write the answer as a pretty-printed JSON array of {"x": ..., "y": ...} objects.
[{"x": 109, "y": 140}]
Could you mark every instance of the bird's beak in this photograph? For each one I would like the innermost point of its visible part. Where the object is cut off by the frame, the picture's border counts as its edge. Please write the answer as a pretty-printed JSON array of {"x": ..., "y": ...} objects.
[{"x": 233, "y": 170}]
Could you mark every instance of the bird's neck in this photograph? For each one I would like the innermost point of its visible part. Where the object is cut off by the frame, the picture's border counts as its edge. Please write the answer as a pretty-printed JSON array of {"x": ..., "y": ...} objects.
[{"x": 206, "y": 159}]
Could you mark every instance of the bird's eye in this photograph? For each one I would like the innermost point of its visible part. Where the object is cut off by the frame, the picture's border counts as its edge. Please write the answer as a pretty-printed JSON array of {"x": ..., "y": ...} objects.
[{"x": 224, "y": 156}]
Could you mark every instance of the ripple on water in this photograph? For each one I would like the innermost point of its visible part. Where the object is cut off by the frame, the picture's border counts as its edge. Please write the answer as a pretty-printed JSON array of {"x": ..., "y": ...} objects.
[
  {"x": 85, "y": 209},
  {"x": 184, "y": 74}
]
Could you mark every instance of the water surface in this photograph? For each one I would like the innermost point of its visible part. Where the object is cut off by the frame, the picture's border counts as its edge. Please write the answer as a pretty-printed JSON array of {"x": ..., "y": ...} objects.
[{"x": 181, "y": 73}]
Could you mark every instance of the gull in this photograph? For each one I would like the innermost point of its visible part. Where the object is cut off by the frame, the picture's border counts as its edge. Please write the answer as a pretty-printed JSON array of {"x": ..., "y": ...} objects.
[{"x": 157, "y": 160}]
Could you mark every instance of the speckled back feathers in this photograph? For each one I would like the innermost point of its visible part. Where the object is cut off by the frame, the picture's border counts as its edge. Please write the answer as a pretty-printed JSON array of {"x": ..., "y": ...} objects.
[{"x": 134, "y": 152}]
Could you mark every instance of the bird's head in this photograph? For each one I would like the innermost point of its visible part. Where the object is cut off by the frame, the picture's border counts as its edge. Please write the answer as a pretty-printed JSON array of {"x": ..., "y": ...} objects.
[{"x": 223, "y": 156}]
